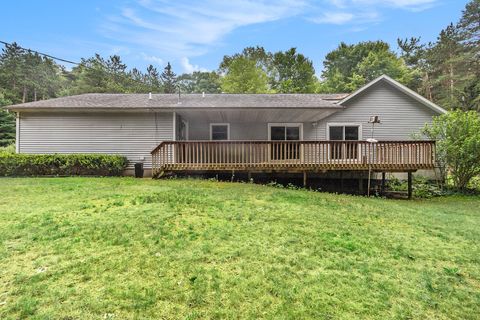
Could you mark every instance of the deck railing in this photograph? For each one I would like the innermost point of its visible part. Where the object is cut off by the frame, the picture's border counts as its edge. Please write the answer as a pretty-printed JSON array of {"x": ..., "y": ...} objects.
[{"x": 293, "y": 155}]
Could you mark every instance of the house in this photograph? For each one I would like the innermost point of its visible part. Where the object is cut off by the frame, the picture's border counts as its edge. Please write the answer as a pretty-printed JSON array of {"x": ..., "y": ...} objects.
[{"x": 238, "y": 132}]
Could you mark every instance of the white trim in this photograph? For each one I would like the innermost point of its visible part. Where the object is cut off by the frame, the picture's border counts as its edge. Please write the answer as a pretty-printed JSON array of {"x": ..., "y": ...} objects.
[
  {"x": 17, "y": 133},
  {"x": 284, "y": 124},
  {"x": 400, "y": 87},
  {"x": 344, "y": 124},
  {"x": 174, "y": 126},
  {"x": 220, "y": 124}
]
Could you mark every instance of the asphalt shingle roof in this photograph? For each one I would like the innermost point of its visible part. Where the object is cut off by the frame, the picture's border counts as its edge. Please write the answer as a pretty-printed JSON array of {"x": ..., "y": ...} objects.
[{"x": 166, "y": 101}]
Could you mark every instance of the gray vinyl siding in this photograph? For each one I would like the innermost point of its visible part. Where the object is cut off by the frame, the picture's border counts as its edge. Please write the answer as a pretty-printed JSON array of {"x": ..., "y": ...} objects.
[
  {"x": 130, "y": 134},
  {"x": 401, "y": 115}
]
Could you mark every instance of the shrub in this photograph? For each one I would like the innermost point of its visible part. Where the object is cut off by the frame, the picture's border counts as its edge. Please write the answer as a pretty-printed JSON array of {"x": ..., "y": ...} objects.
[
  {"x": 12, "y": 164},
  {"x": 7, "y": 149},
  {"x": 458, "y": 144},
  {"x": 422, "y": 187}
]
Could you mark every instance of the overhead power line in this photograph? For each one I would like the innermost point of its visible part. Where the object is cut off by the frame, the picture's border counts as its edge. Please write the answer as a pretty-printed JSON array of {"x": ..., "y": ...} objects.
[
  {"x": 43, "y": 54},
  {"x": 65, "y": 60}
]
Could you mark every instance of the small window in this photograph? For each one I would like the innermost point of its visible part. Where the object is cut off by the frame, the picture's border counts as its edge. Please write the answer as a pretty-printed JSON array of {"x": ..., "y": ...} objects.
[{"x": 219, "y": 131}]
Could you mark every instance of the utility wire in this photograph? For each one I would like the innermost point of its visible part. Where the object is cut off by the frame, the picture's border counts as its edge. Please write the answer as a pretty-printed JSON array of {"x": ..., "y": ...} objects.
[
  {"x": 40, "y": 53},
  {"x": 65, "y": 60}
]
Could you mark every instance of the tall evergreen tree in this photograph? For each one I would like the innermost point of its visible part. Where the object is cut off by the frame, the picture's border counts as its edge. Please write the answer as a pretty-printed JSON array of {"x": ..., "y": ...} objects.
[
  {"x": 7, "y": 123},
  {"x": 169, "y": 79}
]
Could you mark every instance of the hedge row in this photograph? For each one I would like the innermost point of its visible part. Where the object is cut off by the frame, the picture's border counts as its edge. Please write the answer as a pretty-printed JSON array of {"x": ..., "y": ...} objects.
[{"x": 61, "y": 164}]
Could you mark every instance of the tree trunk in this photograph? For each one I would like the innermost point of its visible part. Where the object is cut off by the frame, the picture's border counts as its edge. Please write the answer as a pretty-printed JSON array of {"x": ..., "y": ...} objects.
[
  {"x": 24, "y": 96},
  {"x": 34, "y": 94}
]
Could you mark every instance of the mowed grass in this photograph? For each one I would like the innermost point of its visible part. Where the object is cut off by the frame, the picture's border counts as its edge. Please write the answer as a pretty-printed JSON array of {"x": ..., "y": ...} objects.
[{"x": 120, "y": 248}]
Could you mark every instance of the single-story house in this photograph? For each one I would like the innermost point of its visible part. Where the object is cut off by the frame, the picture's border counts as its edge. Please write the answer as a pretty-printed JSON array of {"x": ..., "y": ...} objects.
[{"x": 249, "y": 132}]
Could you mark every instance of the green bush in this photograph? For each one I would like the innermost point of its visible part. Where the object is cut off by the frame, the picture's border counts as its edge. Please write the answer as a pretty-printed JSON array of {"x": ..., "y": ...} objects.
[
  {"x": 8, "y": 149},
  {"x": 12, "y": 164},
  {"x": 422, "y": 187},
  {"x": 458, "y": 145}
]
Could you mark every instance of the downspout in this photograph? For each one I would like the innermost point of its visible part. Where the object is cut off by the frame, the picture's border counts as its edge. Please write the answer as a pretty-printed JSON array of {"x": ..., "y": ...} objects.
[{"x": 17, "y": 133}]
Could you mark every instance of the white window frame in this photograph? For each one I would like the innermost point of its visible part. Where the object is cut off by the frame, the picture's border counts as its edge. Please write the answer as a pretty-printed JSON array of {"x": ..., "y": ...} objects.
[
  {"x": 220, "y": 124},
  {"x": 344, "y": 124},
  {"x": 285, "y": 124}
]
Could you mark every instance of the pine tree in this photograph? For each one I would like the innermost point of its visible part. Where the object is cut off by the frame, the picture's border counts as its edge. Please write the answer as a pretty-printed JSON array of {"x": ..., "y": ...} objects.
[
  {"x": 169, "y": 79},
  {"x": 7, "y": 123}
]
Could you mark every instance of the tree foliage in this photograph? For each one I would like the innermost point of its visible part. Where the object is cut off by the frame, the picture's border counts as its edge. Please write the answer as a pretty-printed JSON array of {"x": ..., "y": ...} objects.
[
  {"x": 286, "y": 71},
  {"x": 458, "y": 144},
  {"x": 198, "y": 82},
  {"x": 169, "y": 79},
  {"x": 350, "y": 66},
  {"x": 244, "y": 76}
]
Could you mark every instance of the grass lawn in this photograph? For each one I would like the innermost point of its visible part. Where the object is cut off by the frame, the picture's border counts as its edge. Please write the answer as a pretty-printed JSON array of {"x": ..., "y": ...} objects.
[{"x": 120, "y": 248}]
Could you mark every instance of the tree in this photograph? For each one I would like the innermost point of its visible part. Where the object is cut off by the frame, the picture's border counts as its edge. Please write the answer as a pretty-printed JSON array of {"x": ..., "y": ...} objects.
[
  {"x": 169, "y": 79},
  {"x": 377, "y": 63},
  {"x": 447, "y": 60},
  {"x": 7, "y": 123},
  {"x": 458, "y": 144},
  {"x": 350, "y": 66},
  {"x": 11, "y": 65},
  {"x": 469, "y": 25},
  {"x": 294, "y": 73},
  {"x": 244, "y": 76},
  {"x": 198, "y": 82},
  {"x": 261, "y": 57},
  {"x": 153, "y": 79}
]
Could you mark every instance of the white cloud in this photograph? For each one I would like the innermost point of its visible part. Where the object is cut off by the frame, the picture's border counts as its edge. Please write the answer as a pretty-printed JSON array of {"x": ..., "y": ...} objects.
[
  {"x": 187, "y": 28},
  {"x": 333, "y": 18},
  {"x": 188, "y": 67},
  {"x": 415, "y": 5},
  {"x": 151, "y": 58},
  {"x": 340, "y": 18}
]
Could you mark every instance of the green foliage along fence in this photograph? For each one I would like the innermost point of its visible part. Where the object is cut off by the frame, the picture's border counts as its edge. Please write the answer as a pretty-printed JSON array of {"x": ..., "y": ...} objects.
[{"x": 12, "y": 164}]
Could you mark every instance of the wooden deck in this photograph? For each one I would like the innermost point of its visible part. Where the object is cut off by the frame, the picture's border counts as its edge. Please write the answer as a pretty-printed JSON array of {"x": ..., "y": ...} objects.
[{"x": 292, "y": 156}]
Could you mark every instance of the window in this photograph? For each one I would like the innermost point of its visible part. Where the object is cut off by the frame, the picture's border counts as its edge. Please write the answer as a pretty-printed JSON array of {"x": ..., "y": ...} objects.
[
  {"x": 344, "y": 132},
  {"x": 285, "y": 132},
  {"x": 219, "y": 131}
]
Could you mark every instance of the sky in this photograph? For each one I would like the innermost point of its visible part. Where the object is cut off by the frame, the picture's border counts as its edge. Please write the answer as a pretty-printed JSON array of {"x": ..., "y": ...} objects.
[{"x": 195, "y": 35}]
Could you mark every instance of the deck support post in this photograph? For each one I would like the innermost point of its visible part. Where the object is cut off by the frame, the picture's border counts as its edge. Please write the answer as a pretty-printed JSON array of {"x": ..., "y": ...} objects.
[
  {"x": 341, "y": 181},
  {"x": 383, "y": 182},
  {"x": 233, "y": 176},
  {"x": 409, "y": 185},
  {"x": 360, "y": 186},
  {"x": 304, "y": 179},
  {"x": 249, "y": 176}
]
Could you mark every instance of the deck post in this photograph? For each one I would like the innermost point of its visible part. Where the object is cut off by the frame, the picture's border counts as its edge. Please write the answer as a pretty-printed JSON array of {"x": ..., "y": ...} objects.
[
  {"x": 383, "y": 182},
  {"x": 409, "y": 185},
  {"x": 249, "y": 176},
  {"x": 233, "y": 176},
  {"x": 304, "y": 179}
]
